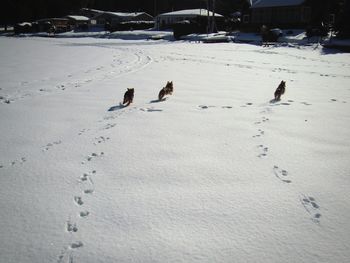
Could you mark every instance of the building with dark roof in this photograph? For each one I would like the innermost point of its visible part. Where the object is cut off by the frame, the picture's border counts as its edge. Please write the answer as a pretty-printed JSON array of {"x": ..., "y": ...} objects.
[{"x": 279, "y": 13}]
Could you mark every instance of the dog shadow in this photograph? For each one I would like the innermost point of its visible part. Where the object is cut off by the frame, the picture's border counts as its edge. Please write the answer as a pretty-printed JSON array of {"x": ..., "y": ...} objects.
[
  {"x": 157, "y": 101},
  {"x": 273, "y": 101},
  {"x": 117, "y": 107}
]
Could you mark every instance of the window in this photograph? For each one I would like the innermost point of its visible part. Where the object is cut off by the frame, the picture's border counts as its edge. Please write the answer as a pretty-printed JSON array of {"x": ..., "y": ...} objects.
[{"x": 246, "y": 19}]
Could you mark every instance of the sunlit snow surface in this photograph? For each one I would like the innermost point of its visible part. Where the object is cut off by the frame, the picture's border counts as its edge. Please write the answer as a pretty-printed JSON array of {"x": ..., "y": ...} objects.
[{"x": 217, "y": 172}]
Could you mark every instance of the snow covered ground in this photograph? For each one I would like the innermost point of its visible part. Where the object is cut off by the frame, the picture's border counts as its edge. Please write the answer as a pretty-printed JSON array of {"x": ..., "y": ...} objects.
[{"x": 215, "y": 173}]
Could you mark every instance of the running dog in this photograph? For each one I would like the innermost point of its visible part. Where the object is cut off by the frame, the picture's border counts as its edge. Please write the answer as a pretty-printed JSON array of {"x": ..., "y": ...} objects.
[
  {"x": 280, "y": 90},
  {"x": 168, "y": 89},
  {"x": 128, "y": 97}
]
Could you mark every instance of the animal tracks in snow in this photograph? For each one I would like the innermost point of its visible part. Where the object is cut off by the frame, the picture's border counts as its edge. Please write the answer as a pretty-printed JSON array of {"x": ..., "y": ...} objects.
[
  {"x": 259, "y": 134},
  {"x": 76, "y": 244},
  {"x": 81, "y": 132},
  {"x": 311, "y": 207},
  {"x": 150, "y": 109},
  {"x": 88, "y": 191},
  {"x": 109, "y": 126},
  {"x": 266, "y": 110},
  {"x": 71, "y": 227},
  {"x": 263, "y": 151},
  {"x": 67, "y": 253},
  {"x": 78, "y": 200},
  {"x": 86, "y": 180},
  {"x": 309, "y": 203},
  {"x": 335, "y": 100},
  {"x": 92, "y": 156},
  {"x": 84, "y": 213},
  {"x": 263, "y": 119},
  {"x": 88, "y": 175},
  {"x": 101, "y": 139},
  {"x": 20, "y": 161},
  {"x": 50, "y": 145},
  {"x": 281, "y": 174},
  {"x": 247, "y": 104},
  {"x": 13, "y": 163},
  {"x": 205, "y": 107}
]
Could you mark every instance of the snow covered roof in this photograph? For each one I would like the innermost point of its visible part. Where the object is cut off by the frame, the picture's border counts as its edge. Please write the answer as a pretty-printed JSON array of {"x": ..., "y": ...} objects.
[
  {"x": 24, "y": 24},
  {"x": 190, "y": 12},
  {"x": 275, "y": 3},
  {"x": 121, "y": 14},
  {"x": 79, "y": 18},
  {"x": 53, "y": 19},
  {"x": 92, "y": 10}
]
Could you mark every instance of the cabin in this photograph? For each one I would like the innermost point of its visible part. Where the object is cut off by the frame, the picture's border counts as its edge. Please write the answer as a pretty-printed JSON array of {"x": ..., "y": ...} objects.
[
  {"x": 23, "y": 28},
  {"x": 278, "y": 13},
  {"x": 78, "y": 22},
  {"x": 115, "y": 19},
  {"x": 167, "y": 20},
  {"x": 60, "y": 24}
]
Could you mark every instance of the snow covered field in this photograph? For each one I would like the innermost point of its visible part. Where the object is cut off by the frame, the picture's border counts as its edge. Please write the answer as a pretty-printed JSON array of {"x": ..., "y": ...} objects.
[{"x": 215, "y": 173}]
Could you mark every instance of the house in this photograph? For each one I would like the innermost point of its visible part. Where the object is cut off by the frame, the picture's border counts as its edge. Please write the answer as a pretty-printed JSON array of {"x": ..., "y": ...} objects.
[
  {"x": 167, "y": 20},
  {"x": 60, "y": 24},
  {"x": 278, "y": 13},
  {"x": 23, "y": 28},
  {"x": 114, "y": 19},
  {"x": 78, "y": 22}
]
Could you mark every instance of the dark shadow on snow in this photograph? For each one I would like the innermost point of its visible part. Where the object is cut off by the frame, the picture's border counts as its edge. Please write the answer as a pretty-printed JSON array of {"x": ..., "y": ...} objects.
[
  {"x": 157, "y": 101},
  {"x": 117, "y": 107},
  {"x": 273, "y": 101}
]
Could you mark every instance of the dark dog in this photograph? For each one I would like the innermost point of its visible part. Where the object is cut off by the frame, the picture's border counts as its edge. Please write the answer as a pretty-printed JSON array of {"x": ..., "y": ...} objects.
[
  {"x": 128, "y": 97},
  {"x": 280, "y": 90},
  {"x": 168, "y": 89}
]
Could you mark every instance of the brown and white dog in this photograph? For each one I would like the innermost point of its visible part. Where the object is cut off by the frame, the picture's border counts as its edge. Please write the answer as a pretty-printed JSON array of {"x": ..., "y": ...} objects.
[
  {"x": 280, "y": 90},
  {"x": 128, "y": 97},
  {"x": 168, "y": 89}
]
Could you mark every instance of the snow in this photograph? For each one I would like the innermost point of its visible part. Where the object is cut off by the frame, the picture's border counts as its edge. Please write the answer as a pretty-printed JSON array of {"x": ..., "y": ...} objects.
[
  {"x": 121, "y": 14},
  {"x": 92, "y": 10},
  {"x": 218, "y": 172},
  {"x": 79, "y": 18},
  {"x": 190, "y": 12},
  {"x": 100, "y": 33}
]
